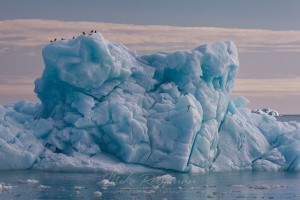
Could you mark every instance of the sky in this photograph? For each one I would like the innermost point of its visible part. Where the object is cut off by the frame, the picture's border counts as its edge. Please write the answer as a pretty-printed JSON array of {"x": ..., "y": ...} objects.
[{"x": 266, "y": 33}]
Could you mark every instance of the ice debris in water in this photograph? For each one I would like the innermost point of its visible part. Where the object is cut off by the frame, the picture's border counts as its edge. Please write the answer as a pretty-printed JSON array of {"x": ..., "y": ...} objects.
[
  {"x": 103, "y": 108},
  {"x": 79, "y": 187},
  {"x": 5, "y": 188},
  {"x": 165, "y": 179},
  {"x": 106, "y": 183},
  {"x": 97, "y": 194},
  {"x": 44, "y": 187},
  {"x": 28, "y": 181},
  {"x": 268, "y": 111},
  {"x": 266, "y": 187}
]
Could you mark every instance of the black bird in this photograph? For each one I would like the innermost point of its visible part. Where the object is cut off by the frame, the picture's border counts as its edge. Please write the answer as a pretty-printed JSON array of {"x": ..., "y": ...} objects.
[
  {"x": 54, "y": 39},
  {"x": 188, "y": 108},
  {"x": 62, "y": 39},
  {"x": 95, "y": 31},
  {"x": 73, "y": 37},
  {"x": 83, "y": 33},
  {"x": 51, "y": 41},
  {"x": 92, "y": 31}
]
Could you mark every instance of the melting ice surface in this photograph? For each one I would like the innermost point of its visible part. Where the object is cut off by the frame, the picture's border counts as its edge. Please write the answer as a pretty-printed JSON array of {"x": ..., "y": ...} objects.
[{"x": 103, "y": 108}]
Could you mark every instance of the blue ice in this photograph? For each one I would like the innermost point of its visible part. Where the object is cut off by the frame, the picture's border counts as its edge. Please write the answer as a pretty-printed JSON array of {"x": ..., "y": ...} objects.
[{"x": 104, "y": 108}]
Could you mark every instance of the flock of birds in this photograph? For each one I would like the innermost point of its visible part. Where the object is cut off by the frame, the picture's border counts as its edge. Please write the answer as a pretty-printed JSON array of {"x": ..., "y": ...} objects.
[{"x": 83, "y": 33}]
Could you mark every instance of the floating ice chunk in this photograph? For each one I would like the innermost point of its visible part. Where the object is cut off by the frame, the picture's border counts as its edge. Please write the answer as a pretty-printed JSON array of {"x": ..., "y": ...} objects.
[
  {"x": 268, "y": 111},
  {"x": 79, "y": 187},
  {"x": 44, "y": 187},
  {"x": 98, "y": 194},
  {"x": 238, "y": 186},
  {"x": 196, "y": 188},
  {"x": 165, "y": 179},
  {"x": 32, "y": 181},
  {"x": 106, "y": 183},
  {"x": 4, "y": 187},
  {"x": 7, "y": 187},
  {"x": 153, "y": 187},
  {"x": 148, "y": 191},
  {"x": 77, "y": 192},
  {"x": 266, "y": 187},
  {"x": 179, "y": 188}
]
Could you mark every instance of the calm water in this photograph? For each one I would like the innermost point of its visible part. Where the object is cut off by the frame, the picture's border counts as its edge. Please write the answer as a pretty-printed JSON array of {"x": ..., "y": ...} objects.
[
  {"x": 241, "y": 185},
  {"x": 238, "y": 185},
  {"x": 287, "y": 118}
]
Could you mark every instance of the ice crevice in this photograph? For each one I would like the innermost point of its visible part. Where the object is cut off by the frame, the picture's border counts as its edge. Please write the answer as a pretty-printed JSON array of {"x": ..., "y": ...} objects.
[{"x": 104, "y": 108}]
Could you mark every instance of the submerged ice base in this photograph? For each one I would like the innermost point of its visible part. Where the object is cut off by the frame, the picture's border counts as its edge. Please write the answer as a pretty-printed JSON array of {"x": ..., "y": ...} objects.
[{"x": 103, "y": 108}]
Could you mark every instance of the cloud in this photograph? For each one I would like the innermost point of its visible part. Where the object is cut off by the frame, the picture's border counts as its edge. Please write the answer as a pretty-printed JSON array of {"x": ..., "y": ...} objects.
[
  {"x": 146, "y": 39},
  {"x": 16, "y": 89},
  {"x": 279, "y": 87},
  {"x": 16, "y": 85}
]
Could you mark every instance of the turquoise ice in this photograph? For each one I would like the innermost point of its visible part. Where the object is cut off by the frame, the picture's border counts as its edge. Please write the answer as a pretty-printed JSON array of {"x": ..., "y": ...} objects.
[{"x": 104, "y": 108}]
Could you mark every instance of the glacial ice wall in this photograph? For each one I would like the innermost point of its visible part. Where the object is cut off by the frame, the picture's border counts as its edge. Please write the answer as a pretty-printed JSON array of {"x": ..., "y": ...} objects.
[{"x": 103, "y": 107}]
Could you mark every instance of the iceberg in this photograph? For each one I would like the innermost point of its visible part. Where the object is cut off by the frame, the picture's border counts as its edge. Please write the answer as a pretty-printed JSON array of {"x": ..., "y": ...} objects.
[
  {"x": 268, "y": 111},
  {"x": 104, "y": 108}
]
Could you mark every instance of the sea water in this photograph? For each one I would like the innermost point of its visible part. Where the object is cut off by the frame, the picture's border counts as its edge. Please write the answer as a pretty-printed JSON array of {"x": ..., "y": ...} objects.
[
  {"x": 32, "y": 184},
  {"x": 233, "y": 185},
  {"x": 287, "y": 118}
]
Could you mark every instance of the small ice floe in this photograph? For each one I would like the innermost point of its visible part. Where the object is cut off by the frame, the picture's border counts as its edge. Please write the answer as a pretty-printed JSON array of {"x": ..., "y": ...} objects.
[
  {"x": 126, "y": 188},
  {"x": 178, "y": 188},
  {"x": 219, "y": 193},
  {"x": 98, "y": 194},
  {"x": 196, "y": 188},
  {"x": 147, "y": 191},
  {"x": 106, "y": 183},
  {"x": 165, "y": 179},
  {"x": 206, "y": 186},
  {"x": 77, "y": 192},
  {"x": 267, "y": 111},
  {"x": 79, "y": 187},
  {"x": 266, "y": 187},
  {"x": 4, "y": 187},
  {"x": 28, "y": 181},
  {"x": 42, "y": 187},
  {"x": 237, "y": 186},
  {"x": 154, "y": 187}
]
